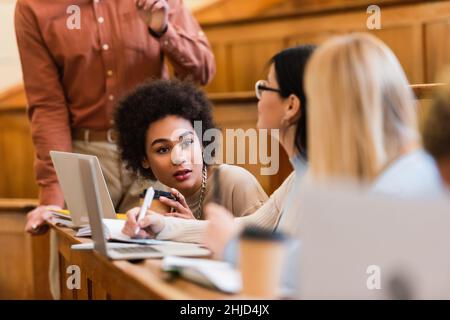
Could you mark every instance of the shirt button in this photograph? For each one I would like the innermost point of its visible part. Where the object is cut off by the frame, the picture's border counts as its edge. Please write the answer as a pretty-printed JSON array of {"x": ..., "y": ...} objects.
[
  {"x": 201, "y": 33},
  {"x": 111, "y": 122},
  {"x": 105, "y": 47},
  {"x": 96, "y": 1},
  {"x": 166, "y": 42},
  {"x": 109, "y": 73},
  {"x": 101, "y": 20},
  {"x": 111, "y": 97}
]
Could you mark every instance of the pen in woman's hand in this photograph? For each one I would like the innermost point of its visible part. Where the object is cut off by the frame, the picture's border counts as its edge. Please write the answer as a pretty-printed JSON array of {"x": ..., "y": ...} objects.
[{"x": 147, "y": 202}]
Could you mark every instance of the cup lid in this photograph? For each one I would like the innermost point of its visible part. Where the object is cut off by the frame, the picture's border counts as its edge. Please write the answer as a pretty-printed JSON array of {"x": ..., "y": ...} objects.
[{"x": 258, "y": 233}]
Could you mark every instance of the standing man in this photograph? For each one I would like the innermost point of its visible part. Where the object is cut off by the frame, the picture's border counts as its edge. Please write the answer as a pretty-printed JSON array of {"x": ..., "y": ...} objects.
[{"x": 78, "y": 58}]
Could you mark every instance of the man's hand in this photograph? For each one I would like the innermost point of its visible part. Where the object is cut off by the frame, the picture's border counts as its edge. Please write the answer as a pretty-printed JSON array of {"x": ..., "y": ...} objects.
[
  {"x": 37, "y": 219},
  {"x": 155, "y": 13}
]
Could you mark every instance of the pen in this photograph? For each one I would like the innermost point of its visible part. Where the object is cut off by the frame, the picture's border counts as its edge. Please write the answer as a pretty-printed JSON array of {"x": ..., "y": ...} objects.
[{"x": 147, "y": 201}]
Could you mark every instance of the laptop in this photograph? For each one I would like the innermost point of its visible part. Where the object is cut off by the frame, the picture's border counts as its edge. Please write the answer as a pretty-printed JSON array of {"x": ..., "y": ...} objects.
[
  {"x": 361, "y": 246},
  {"x": 132, "y": 251},
  {"x": 67, "y": 167}
]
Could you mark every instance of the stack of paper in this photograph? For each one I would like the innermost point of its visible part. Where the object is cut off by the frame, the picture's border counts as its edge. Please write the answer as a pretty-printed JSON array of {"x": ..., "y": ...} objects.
[
  {"x": 62, "y": 217},
  {"x": 215, "y": 274},
  {"x": 84, "y": 232}
]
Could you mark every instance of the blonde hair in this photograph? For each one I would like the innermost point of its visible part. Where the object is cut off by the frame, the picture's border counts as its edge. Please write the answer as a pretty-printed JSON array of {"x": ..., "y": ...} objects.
[{"x": 362, "y": 110}]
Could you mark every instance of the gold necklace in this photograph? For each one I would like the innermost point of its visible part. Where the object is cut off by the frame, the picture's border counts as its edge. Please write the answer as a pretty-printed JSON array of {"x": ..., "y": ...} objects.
[{"x": 198, "y": 212}]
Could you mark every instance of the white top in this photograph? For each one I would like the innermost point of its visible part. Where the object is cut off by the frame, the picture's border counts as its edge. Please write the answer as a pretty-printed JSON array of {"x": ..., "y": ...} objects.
[{"x": 412, "y": 175}]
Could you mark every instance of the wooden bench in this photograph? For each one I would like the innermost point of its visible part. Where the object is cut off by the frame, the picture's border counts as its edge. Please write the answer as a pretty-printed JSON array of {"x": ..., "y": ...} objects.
[{"x": 23, "y": 259}]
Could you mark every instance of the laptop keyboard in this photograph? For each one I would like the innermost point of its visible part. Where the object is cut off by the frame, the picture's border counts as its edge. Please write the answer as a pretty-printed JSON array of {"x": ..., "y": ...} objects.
[{"x": 135, "y": 249}]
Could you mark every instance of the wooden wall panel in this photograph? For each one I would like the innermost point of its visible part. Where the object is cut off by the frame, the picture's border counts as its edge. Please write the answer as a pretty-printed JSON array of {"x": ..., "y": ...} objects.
[
  {"x": 437, "y": 44},
  {"x": 406, "y": 43},
  {"x": 247, "y": 61},
  {"x": 241, "y": 116},
  {"x": 16, "y": 148},
  {"x": 409, "y": 51},
  {"x": 222, "y": 79},
  {"x": 309, "y": 38},
  {"x": 417, "y": 32},
  {"x": 16, "y": 156}
]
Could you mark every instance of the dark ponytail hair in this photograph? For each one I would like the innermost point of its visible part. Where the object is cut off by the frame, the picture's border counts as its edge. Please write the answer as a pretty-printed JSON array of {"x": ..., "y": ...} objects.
[{"x": 290, "y": 67}]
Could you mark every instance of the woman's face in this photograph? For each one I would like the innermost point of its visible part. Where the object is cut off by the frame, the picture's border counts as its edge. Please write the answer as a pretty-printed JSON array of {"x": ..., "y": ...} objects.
[
  {"x": 174, "y": 154},
  {"x": 271, "y": 105}
]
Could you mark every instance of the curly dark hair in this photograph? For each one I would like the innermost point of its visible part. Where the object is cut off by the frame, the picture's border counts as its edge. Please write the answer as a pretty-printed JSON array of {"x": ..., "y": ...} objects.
[{"x": 153, "y": 101}]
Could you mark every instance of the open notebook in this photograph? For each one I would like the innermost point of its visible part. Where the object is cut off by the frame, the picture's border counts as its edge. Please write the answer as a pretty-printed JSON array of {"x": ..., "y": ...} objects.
[{"x": 113, "y": 232}]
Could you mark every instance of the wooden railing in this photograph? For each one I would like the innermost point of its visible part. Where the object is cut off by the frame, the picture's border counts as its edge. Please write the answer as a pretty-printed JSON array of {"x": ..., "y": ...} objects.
[
  {"x": 421, "y": 91},
  {"x": 13, "y": 98},
  {"x": 222, "y": 12},
  {"x": 426, "y": 91}
]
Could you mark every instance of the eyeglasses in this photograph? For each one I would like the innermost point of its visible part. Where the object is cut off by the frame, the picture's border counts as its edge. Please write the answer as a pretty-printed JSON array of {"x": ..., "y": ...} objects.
[{"x": 260, "y": 86}]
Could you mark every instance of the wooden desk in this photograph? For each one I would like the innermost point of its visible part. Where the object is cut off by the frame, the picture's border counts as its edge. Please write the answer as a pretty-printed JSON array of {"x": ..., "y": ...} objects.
[{"x": 104, "y": 279}]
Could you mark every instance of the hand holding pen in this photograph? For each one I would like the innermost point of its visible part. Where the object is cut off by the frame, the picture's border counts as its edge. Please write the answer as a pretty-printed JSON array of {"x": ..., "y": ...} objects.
[{"x": 147, "y": 202}]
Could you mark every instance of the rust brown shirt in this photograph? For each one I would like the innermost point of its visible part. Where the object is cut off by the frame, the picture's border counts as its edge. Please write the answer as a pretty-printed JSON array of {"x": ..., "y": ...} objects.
[{"x": 74, "y": 77}]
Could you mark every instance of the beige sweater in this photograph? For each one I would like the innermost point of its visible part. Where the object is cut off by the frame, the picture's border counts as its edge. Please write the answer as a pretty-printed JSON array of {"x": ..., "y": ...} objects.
[
  {"x": 266, "y": 217},
  {"x": 240, "y": 192}
]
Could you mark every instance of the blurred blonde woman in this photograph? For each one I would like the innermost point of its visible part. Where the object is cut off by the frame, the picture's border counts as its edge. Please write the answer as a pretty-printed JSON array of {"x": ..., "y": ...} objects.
[
  {"x": 361, "y": 126},
  {"x": 364, "y": 127}
]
